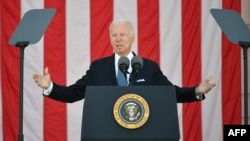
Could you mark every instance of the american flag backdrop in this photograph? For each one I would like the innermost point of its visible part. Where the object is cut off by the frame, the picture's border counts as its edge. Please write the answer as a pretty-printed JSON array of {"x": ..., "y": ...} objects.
[{"x": 180, "y": 35}]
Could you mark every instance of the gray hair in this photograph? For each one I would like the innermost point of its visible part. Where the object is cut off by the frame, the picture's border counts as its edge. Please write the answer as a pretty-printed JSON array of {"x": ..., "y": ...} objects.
[{"x": 123, "y": 21}]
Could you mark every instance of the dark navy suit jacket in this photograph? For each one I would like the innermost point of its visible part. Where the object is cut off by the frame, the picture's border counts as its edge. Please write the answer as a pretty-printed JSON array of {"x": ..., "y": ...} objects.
[{"x": 102, "y": 72}]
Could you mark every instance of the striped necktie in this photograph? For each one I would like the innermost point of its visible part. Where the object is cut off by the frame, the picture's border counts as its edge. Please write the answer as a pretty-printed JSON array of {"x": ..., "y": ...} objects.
[{"x": 122, "y": 81}]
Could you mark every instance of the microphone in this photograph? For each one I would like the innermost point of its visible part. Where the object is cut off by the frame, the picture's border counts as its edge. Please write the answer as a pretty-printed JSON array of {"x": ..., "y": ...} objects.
[
  {"x": 136, "y": 64},
  {"x": 123, "y": 64}
]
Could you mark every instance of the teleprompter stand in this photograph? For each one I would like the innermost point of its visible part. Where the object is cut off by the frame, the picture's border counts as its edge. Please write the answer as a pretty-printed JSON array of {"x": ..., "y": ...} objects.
[
  {"x": 237, "y": 32},
  {"x": 29, "y": 31}
]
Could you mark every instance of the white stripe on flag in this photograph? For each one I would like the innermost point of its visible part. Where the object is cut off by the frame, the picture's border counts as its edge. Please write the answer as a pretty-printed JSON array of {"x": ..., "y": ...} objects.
[
  {"x": 32, "y": 95},
  {"x": 127, "y": 10},
  {"x": 211, "y": 66},
  {"x": 170, "y": 45},
  {"x": 78, "y": 58},
  {"x": 1, "y": 111}
]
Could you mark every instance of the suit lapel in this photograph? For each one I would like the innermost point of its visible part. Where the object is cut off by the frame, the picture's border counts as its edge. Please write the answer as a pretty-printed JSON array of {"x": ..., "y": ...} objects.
[{"x": 110, "y": 69}]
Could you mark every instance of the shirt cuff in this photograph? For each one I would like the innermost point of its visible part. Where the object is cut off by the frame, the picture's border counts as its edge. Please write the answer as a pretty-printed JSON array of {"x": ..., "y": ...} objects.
[
  {"x": 199, "y": 96},
  {"x": 48, "y": 91}
]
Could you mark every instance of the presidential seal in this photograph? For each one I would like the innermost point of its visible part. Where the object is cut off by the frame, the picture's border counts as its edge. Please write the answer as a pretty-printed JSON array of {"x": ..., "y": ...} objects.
[{"x": 131, "y": 111}]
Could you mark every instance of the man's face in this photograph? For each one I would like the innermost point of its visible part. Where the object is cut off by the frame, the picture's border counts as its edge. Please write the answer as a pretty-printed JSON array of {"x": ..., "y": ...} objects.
[{"x": 121, "y": 39}]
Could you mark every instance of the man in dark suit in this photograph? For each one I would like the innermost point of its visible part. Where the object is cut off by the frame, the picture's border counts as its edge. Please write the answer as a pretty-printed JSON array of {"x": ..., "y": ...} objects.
[{"x": 104, "y": 72}]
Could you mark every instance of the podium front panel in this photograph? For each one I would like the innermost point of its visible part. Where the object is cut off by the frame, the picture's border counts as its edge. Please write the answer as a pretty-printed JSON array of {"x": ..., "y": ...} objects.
[{"x": 99, "y": 124}]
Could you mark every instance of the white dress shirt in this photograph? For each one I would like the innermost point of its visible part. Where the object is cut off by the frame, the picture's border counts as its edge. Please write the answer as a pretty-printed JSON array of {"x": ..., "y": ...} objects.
[{"x": 117, "y": 57}]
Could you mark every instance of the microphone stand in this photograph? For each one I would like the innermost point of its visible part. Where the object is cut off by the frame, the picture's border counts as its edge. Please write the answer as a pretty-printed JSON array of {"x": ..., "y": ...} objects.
[
  {"x": 132, "y": 76},
  {"x": 136, "y": 68},
  {"x": 131, "y": 79}
]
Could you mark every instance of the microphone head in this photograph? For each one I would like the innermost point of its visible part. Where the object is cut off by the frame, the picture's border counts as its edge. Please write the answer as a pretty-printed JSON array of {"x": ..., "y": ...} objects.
[
  {"x": 123, "y": 64},
  {"x": 136, "y": 63}
]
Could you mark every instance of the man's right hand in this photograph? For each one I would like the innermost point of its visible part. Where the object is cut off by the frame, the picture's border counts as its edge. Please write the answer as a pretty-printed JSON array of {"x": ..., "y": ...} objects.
[{"x": 43, "y": 81}]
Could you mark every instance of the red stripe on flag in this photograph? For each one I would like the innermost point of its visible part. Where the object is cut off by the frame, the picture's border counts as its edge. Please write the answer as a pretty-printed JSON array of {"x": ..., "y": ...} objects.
[
  {"x": 148, "y": 29},
  {"x": 55, "y": 127},
  {"x": 101, "y": 15},
  {"x": 191, "y": 70},
  {"x": 10, "y": 66},
  {"x": 231, "y": 75}
]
